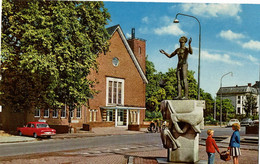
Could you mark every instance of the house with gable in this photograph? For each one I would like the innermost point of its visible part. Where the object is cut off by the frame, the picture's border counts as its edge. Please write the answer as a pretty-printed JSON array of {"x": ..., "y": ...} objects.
[{"x": 121, "y": 82}]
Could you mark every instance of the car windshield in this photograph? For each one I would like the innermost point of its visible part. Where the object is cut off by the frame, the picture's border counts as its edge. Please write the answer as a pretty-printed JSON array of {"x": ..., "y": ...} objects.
[{"x": 42, "y": 126}]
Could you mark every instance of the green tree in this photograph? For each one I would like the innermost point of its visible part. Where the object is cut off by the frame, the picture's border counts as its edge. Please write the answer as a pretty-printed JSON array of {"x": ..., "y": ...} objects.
[
  {"x": 250, "y": 104},
  {"x": 228, "y": 110},
  {"x": 49, "y": 47}
]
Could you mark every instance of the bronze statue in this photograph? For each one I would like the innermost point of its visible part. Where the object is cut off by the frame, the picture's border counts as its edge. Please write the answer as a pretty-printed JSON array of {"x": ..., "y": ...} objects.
[{"x": 182, "y": 67}]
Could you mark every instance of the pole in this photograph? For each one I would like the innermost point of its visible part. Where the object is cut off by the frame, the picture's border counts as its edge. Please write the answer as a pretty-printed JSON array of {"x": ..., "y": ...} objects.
[
  {"x": 221, "y": 96},
  {"x": 199, "y": 48}
]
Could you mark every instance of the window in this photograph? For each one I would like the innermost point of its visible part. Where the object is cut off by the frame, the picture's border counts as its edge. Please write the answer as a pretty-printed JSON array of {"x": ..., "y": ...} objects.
[
  {"x": 46, "y": 113},
  {"x": 92, "y": 115},
  {"x": 115, "y": 91},
  {"x": 238, "y": 110},
  {"x": 78, "y": 112},
  {"x": 37, "y": 112},
  {"x": 238, "y": 99},
  {"x": 55, "y": 113},
  {"x": 140, "y": 50},
  {"x": 0, "y": 108},
  {"x": 63, "y": 112},
  {"x": 72, "y": 113},
  {"x": 109, "y": 115}
]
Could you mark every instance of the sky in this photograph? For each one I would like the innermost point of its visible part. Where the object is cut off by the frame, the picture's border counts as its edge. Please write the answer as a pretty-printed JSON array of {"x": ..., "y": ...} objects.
[{"x": 230, "y": 37}]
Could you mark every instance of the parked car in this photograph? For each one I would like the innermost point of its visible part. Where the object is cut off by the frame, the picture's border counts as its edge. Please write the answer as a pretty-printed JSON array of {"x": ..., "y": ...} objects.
[
  {"x": 232, "y": 121},
  {"x": 246, "y": 122},
  {"x": 36, "y": 129}
]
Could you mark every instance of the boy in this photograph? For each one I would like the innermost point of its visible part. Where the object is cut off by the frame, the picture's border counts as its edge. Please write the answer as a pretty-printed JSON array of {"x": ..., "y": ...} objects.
[{"x": 211, "y": 146}]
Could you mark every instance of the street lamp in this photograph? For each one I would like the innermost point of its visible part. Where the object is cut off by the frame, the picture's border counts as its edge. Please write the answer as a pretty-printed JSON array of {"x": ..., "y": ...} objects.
[
  {"x": 177, "y": 21},
  {"x": 221, "y": 96}
]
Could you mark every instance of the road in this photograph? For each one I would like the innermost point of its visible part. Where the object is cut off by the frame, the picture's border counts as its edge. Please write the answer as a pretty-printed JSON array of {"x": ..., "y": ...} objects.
[{"x": 55, "y": 145}]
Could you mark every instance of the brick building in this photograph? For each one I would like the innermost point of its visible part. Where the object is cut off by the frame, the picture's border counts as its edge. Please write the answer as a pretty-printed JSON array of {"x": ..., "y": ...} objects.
[{"x": 121, "y": 84}]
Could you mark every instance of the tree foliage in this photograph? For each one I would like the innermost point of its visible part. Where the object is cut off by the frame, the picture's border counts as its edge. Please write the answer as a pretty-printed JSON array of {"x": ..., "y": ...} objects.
[
  {"x": 163, "y": 86},
  {"x": 49, "y": 47},
  {"x": 250, "y": 104}
]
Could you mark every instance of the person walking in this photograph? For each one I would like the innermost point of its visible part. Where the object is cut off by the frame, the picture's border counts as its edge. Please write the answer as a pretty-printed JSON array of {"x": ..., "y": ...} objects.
[
  {"x": 211, "y": 146},
  {"x": 234, "y": 144}
]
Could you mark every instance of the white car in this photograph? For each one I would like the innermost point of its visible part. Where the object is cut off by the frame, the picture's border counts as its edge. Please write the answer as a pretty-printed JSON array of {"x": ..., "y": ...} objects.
[{"x": 232, "y": 121}]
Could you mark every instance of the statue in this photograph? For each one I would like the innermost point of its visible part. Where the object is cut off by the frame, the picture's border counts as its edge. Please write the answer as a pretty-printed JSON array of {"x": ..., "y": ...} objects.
[{"x": 182, "y": 67}]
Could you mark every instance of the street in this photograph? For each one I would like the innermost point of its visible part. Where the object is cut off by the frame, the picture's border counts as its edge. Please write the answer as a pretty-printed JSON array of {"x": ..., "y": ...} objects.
[
  {"x": 77, "y": 143},
  {"x": 109, "y": 149}
]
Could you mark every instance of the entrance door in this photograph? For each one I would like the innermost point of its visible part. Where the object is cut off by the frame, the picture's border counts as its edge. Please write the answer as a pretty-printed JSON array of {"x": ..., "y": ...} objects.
[{"x": 120, "y": 117}]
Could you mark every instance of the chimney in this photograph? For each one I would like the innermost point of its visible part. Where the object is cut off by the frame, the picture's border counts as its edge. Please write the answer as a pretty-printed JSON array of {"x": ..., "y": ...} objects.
[
  {"x": 138, "y": 47},
  {"x": 133, "y": 33},
  {"x": 249, "y": 84}
]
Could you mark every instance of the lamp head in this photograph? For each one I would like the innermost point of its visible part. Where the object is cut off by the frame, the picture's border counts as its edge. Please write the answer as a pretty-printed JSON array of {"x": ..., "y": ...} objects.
[{"x": 176, "y": 20}]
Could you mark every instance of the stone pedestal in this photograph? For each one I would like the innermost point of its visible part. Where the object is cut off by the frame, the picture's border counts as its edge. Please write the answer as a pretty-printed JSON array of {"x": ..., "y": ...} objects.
[
  {"x": 186, "y": 120},
  {"x": 189, "y": 150}
]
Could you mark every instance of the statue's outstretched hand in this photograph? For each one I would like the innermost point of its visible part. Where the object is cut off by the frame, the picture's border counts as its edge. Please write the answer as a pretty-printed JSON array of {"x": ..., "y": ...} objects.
[
  {"x": 162, "y": 51},
  {"x": 190, "y": 40}
]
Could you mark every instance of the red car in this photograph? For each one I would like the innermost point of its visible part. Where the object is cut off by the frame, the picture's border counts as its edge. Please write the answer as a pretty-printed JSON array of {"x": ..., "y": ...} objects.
[{"x": 36, "y": 129}]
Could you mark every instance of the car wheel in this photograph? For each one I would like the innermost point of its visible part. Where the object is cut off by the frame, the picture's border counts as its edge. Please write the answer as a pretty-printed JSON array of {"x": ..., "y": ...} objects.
[
  {"x": 20, "y": 133},
  {"x": 48, "y": 136},
  {"x": 35, "y": 135}
]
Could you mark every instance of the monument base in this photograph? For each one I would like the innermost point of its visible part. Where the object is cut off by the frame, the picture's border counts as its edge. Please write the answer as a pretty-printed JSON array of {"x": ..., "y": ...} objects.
[
  {"x": 188, "y": 117},
  {"x": 165, "y": 161}
]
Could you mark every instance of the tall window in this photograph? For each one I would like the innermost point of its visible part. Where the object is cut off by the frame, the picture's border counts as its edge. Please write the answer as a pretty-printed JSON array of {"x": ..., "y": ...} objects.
[
  {"x": 37, "y": 112},
  {"x": 55, "y": 113},
  {"x": 46, "y": 113},
  {"x": 115, "y": 91},
  {"x": 238, "y": 110},
  {"x": 72, "y": 114},
  {"x": 78, "y": 112},
  {"x": 239, "y": 99},
  {"x": 63, "y": 112}
]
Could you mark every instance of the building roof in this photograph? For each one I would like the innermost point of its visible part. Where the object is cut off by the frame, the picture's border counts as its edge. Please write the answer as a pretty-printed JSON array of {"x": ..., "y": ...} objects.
[
  {"x": 111, "y": 31},
  {"x": 236, "y": 90}
]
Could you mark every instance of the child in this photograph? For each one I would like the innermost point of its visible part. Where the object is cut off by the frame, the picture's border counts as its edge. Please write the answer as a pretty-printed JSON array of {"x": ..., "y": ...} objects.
[
  {"x": 211, "y": 146},
  {"x": 234, "y": 144}
]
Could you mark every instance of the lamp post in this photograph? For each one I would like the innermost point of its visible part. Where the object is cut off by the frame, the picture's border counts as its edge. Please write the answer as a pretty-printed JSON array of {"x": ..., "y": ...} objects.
[
  {"x": 221, "y": 96},
  {"x": 177, "y": 21}
]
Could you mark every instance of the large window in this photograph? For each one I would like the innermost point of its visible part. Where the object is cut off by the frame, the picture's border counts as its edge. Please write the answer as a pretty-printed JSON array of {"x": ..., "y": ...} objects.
[{"x": 115, "y": 91}]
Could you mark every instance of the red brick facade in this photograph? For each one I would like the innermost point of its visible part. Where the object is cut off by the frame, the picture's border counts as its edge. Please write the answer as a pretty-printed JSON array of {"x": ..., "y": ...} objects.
[
  {"x": 134, "y": 83},
  {"x": 127, "y": 90}
]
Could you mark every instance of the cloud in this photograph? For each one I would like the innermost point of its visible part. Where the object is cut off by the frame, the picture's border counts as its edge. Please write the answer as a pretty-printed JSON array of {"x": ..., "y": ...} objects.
[
  {"x": 230, "y": 35},
  {"x": 145, "y": 19},
  {"x": 253, "y": 59},
  {"x": 128, "y": 35},
  {"x": 213, "y": 10},
  {"x": 172, "y": 29},
  {"x": 225, "y": 58},
  {"x": 252, "y": 44}
]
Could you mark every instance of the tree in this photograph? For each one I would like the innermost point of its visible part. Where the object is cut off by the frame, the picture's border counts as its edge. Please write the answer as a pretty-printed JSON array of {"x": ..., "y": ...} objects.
[
  {"x": 250, "y": 104},
  {"x": 49, "y": 48}
]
